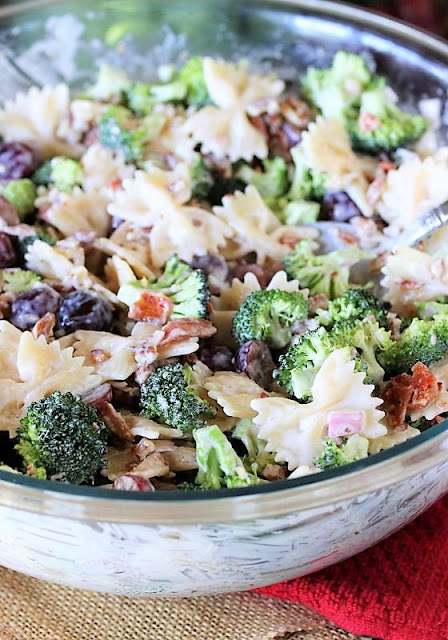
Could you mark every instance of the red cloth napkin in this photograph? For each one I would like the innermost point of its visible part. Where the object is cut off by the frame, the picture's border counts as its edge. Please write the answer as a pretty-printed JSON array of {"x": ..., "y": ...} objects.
[{"x": 397, "y": 590}]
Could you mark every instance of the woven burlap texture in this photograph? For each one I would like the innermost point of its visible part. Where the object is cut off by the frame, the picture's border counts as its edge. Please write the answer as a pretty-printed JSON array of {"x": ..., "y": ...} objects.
[{"x": 35, "y": 610}]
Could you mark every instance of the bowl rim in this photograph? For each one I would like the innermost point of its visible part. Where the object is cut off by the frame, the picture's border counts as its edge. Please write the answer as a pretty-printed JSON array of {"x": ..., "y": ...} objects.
[{"x": 393, "y": 465}]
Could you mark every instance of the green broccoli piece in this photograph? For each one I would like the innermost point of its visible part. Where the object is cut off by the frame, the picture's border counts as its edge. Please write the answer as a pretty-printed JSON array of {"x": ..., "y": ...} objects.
[
  {"x": 382, "y": 126},
  {"x": 119, "y": 130},
  {"x": 143, "y": 96},
  {"x": 336, "y": 91},
  {"x": 109, "y": 85},
  {"x": 268, "y": 315},
  {"x": 257, "y": 457},
  {"x": 369, "y": 339},
  {"x": 300, "y": 212},
  {"x": 20, "y": 280},
  {"x": 187, "y": 288},
  {"x": 192, "y": 76},
  {"x": 307, "y": 183},
  {"x": 272, "y": 183},
  {"x": 62, "y": 438},
  {"x": 423, "y": 341},
  {"x": 334, "y": 455},
  {"x": 427, "y": 310},
  {"x": 328, "y": 273},
  {"x": 21, "y": 194},
  {"x": 169, "y": 395},
  {"x": 354, "y": 304},
  {"x": 421, "y": 424},
  {"x": 219, "y": 465},
  {"x": 63, "y": 173},
  {"x": 201, "y": 180}
]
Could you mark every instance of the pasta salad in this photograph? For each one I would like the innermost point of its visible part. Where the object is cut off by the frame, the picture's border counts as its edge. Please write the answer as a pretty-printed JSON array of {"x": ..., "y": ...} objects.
[{"x": 167, "y": 320}]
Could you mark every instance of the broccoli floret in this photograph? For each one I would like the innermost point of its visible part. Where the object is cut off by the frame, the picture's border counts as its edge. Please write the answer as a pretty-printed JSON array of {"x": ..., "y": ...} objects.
[
  {"x": 201, "y": 180},
  {"x": 268, "y": 315},
  {"x": 427, "y": 310},
  {"x": 20, "y": 280},
  {"x": 63, "y": 173},
  {"x": 272, "y": 183},
  {"x": 336, "y": 91},
  {"x": 369, "y": 339},
  {"x": 328, "y": 273},
  {"x": 169, "y": 395},
  {"x": 421, "y": 424},
  {"x": 423, "y": 341},
  {"x": 334, "y": 455},
  {"x": 307, "y": 183},
  {"x": 109, "y": 85},
  {"x": 354, "y": 304},
  {"x": 192, "y": 76},
  {"x": 62, "y": 438},
  {"x": 219, "y": 465},
  {"x": 300, "y": 212},
  {"x": 143, "y": 96},
  {"x": 21, "y": 194},
  {"x": 299, "y": 365},
  {"x": 119, "y": 130},
  {"x": 382, "y": 126},
  {"x": 186, "y": 287}
]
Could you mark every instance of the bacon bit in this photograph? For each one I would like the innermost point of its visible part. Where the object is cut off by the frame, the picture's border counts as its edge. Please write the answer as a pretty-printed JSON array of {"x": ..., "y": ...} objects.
[
  {"x": 397, "y": 394},
  {"x": 348, "y": 238},
  {"x": 178, "y": 330},
  {"x": 44, "y": 326},
  {"x": 405, "y": 392},
  {"x": 274, "y": 472},
  {"x": 289, "y": 241},
  {"x": 144, "y": 448},
  {"x": 115, "y": 422},
  {"x": 130, "y": 482},
  {"x": 409, "y": 285},
  {"x": 153, "y": 307},
  {"x": 263, "y": 394},
  {"x": 115, "y": 184},
  {"x": 387, "y": 165},
  {"x": 425, "y": 387},
  {"x": 98, "y": 356},
  {"x": 369, "y": 122},
  {"x": 319, "y": 301}
]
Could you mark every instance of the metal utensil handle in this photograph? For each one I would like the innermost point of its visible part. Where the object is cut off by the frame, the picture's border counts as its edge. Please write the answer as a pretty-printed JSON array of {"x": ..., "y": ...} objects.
[{"x": 424, "y": 226}]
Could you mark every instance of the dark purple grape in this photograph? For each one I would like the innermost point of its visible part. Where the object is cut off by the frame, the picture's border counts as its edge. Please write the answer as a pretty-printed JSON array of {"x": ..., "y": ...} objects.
[
  {"x": 240, "y": 270},
  {"x": 85, "y": 310},
  {"x": 338, "y": 207},
  {"x": 7, "y": 253},
  {"x": 217, "y": 357},
  {"x": 28, "y": 307},
  {"x": 213, "y": 266},
  {"x": 255, "y": 360},
  {"x": 17, "y": 160}
]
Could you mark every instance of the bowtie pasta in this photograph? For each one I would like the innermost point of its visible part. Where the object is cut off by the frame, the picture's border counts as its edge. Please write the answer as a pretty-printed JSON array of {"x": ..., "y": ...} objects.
[{"x": 166, "y": 320}]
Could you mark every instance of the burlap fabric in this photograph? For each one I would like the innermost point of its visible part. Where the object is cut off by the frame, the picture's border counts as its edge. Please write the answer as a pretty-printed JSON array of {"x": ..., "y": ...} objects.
[{"x": 34, "y": 610}]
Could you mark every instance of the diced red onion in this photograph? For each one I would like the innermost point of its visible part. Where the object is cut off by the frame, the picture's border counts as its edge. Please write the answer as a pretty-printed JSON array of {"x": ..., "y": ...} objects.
[{"x": 345, "y": 423}]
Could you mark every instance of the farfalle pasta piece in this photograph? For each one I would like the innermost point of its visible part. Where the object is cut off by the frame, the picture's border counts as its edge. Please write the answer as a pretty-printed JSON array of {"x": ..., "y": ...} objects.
[
  {"x": 234, "y": 392},
  {"x": 326, "y": 147},
  {"x": 411, "y": 276},
  {"x": 131, "y": 244},
  {"x": 172, "y": 139},
  {"x": 295, "y": 432},
  {"x": 75, "y": 211},
  {"x": 225, "y": 129},
  {"x": 391, "y": 438},
  {"x": 103, "y": 169},
  {"x": 9, "y": 345},
  {"x": 111, "y": 357},
  {"x": 35, "y": 117},
  {"x": 255, "y": 227},
  {"x": 154, "y": 200},
  {"x": 415, "y": 187}
]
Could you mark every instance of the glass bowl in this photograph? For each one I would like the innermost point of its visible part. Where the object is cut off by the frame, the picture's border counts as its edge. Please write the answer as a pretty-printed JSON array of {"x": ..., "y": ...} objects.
[{"x": 183, "y": 544}]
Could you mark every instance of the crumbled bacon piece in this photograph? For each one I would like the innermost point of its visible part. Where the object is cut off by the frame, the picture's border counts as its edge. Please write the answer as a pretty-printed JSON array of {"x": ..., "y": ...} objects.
[
  {"x": 319, "y": 301},
  {"x": 184, "y": 328},
  {"x": 409, "y": 392},
  {"x": 98, "y": 356},
  {"x": 369, "y": 122},
  {"x": 153, "y": 307},
  {"x": 410, "y": 285},
  {"x": 130, "y": 482},
  {"x": 115, "y": 422},
  {"x": 44, "y": 326}
]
